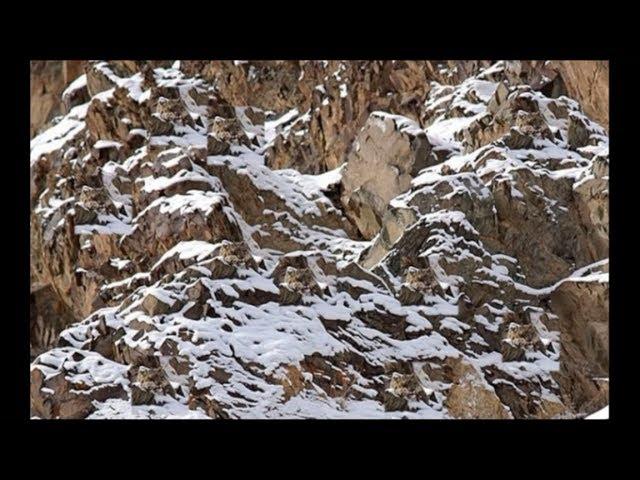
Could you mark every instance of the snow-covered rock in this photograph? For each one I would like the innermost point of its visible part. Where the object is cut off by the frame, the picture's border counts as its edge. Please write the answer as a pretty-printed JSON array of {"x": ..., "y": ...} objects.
[{"x": 202, "y": 232}]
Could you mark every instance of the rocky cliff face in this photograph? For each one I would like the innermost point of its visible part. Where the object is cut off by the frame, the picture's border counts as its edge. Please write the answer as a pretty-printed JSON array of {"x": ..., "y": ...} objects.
[
  {"x": 321, "y": 239},
  {"x": 49, "y": 80}
]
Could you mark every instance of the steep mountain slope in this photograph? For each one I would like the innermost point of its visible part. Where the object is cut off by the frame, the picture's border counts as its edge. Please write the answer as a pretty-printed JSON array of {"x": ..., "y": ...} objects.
[
  {"x": 319, "y": 240},
  {"x": 48, "y": 81}
]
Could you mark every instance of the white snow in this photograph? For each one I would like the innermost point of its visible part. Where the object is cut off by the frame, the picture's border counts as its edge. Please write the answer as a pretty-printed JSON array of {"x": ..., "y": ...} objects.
[
  {"x": 270, "y": 336},
  {"x": 77, "y": 84},
  {"x": 186, "y": 250},
  {"x": 600, "y": 414}
]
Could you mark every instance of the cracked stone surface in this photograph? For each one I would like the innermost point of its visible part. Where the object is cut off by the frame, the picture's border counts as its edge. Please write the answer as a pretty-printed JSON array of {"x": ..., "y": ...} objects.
[{"x": 319, "y": 239}]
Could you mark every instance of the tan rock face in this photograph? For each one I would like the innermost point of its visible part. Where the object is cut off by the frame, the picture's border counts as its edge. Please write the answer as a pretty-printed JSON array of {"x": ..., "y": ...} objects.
[
  {"x": 470, "y": 398},
  {"x": 583, "y": 310},
  {"x": 378, "y": 239},
  {"x": 592, "y": 199},
  {"x": 471, "y": 401},
  {"x": 333, "y": 99},
  {"x": 387, "y": 154},
  {"x": 46, "y": 86},
  {"x": 48, "y": 317},
  {"x": 48, "y": 81},
  {"x": 588, "y": 82}
]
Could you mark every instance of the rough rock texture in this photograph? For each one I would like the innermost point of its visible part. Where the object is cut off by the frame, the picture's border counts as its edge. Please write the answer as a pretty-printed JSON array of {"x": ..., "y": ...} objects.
[
  {"x": 583, "y": 309},
  {"x": 387, "y": 154},
  {"x": 587, "y": 82},
  {"x": 49, "y": 79},
  {"x": 320, "y": 239}
]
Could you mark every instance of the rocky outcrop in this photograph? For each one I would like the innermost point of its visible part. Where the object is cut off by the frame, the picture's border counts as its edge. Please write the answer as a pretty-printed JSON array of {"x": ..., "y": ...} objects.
[
  {"x": 49, "y": 93},
  {"x": 582, "y": 305},
  {"x": 48, "y": 317},
  {"x": 66, "y": 382},
  {"x": 319, "y": 239},
  {"x": 471, "y": 397},
  {"x": 587, "y": 81},
  {"x": 387, "y": 154}
]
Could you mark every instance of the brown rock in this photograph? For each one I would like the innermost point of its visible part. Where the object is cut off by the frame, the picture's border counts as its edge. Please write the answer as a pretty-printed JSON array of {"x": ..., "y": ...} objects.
[
  {"x": 63, "y": 384},
  {"x": 388, "y": 152},
  {"x": 588, "y": 82},
  {"x": 583, "y": 308},
  {"x": 470, "y": 397},
  {"x": 154, "y": 306},
  {"x": 48, "y": 79}
]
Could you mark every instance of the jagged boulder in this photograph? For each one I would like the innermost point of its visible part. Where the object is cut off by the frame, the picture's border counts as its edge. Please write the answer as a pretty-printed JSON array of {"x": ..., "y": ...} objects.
[
  {"x": 65, "y": 382},
  {"x": 156, "y": 304},
  {"x": 470, "y": 396},
  {"x": 388, "y": 152}
]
